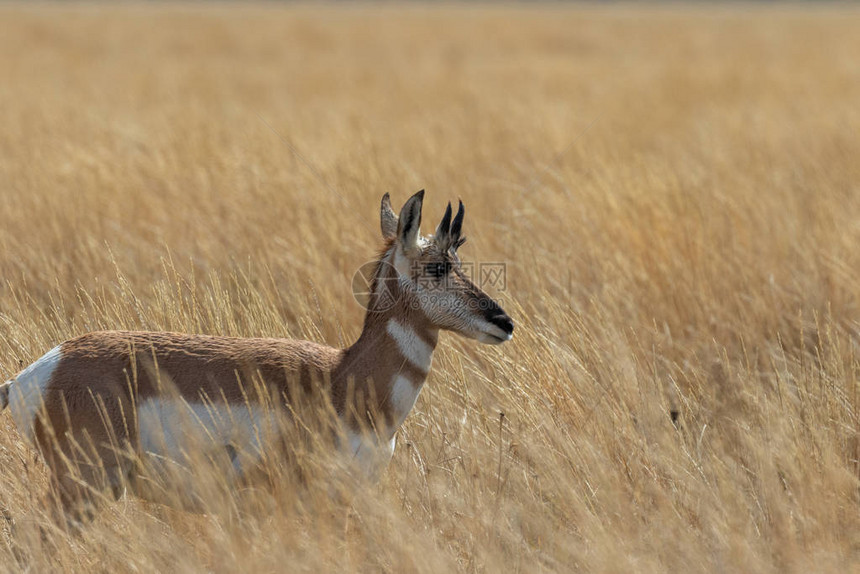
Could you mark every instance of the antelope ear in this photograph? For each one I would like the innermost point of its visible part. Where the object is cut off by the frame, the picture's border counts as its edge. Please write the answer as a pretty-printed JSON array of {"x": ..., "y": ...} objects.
[
  {"x": 387, "y": 218},
  {"x": 409, "y": 222}
]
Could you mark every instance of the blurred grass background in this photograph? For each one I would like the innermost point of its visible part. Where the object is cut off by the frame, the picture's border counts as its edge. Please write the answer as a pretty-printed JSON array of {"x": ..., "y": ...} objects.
[{"x": 673, "y": 190}]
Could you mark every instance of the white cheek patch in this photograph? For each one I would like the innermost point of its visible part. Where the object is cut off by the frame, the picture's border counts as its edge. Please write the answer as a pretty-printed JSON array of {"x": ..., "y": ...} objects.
[
  {"x": 402, "y": 265},
  {"x": 27, "y": 392},
  {"x": 484, "y": 328},
  {"x": 413, "y": 348},
  {"x": 171, "y": 428}
]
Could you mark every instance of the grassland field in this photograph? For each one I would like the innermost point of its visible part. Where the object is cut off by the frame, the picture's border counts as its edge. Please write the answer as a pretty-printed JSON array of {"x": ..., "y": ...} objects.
[{"x": 674, "y": 192}]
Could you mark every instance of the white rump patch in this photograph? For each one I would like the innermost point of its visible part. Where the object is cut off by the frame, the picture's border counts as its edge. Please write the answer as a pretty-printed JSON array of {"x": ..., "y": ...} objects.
[
  {"x": 416, "y": 351},
  {"x": 177, "y": 430},
  {"x": 27, "y": 393}
]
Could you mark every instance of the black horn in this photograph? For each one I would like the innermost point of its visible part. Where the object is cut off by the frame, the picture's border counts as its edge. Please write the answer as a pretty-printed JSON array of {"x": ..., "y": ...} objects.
[
  {"x": 444, "y": 228},
  {"x": 457, "y": 226}
]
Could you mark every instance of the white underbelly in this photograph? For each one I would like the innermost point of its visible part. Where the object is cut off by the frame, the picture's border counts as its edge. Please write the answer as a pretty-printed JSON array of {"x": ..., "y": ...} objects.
[
  {"x": 171, "y": 430},
  {"x": 175, "y": 434}
]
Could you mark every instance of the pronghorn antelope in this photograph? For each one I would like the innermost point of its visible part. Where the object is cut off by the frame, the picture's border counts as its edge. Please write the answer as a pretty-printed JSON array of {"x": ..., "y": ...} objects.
[{"x": 107, "y": 389}]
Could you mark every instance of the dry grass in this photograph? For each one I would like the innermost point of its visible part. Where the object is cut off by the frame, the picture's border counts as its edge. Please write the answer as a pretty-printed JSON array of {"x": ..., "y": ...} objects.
[{"x": 675, "y": 192}]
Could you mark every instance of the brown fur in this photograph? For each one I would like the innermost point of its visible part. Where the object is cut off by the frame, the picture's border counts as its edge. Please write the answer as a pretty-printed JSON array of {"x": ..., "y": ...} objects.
[
  {"x": 123, "y": 368},
  {"x": 89, "y": 416},
  {"x": 90, "y": 403}
]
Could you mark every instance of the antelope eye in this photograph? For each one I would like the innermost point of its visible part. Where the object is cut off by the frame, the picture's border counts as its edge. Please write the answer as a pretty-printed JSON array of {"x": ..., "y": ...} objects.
[{"x": 437, "y": 269}]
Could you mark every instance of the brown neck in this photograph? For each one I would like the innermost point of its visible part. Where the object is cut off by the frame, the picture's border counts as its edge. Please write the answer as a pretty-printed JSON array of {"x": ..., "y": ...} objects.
[{"x": 384, "y": 370}]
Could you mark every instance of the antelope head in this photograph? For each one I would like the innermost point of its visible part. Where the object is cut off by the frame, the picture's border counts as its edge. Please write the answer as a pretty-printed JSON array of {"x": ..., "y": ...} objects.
[{"x": 431, "y": 278}]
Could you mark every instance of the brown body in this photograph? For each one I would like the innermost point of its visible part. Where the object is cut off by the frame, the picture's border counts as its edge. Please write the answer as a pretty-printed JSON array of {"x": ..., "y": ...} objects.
[
  {"x": 125, "y": 368},
  {"x": 103, "y": 377},
  {"x": 94, "y": 403}
]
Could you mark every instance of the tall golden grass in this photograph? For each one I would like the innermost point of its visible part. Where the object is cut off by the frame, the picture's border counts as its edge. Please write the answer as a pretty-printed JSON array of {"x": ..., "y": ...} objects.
[{"x": 675, "y": 193}]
